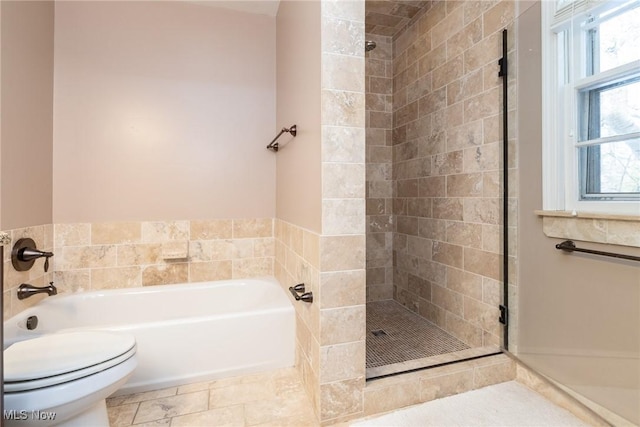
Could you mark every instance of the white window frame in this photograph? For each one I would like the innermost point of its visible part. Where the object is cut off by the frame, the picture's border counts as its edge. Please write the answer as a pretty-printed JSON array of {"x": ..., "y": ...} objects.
[{"x": 560, "y": 159}]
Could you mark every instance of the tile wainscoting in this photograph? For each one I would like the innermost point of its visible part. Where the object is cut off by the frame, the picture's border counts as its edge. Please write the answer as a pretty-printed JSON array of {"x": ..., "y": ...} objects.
[
  {"x": 130, "y": 254},
  {"x": 596, "y": 228},
  {"x": 94, "y": 256}
]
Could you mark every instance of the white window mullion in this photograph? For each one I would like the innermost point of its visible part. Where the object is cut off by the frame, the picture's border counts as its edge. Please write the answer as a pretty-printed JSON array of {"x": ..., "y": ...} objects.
[
  {"x": 609, "y": 139},
  {"x": 577, "y": 69},
  {"x": 568, "y": 143},
  {"x": 552, "y": 154},
  {"x": 619, "y": 73}
]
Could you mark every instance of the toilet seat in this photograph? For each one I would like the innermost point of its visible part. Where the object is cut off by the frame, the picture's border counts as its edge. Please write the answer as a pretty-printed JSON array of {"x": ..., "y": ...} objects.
[{"x": 58, "y": 358}]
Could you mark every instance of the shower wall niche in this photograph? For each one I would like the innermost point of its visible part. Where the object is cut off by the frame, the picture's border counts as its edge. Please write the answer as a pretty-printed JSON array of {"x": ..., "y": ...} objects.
[{"x": 434, "y": 168}]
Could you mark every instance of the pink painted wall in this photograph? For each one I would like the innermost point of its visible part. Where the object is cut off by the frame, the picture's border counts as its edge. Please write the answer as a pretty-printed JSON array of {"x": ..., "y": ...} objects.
[
  {"x": 26, "y": 113},
  {"x": 299, "y": 180},
  {"x": 162, "y": 111}
]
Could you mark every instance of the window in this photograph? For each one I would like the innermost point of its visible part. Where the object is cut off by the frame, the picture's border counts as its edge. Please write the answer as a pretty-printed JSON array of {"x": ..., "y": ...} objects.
[{"x": 591, "y": 101}]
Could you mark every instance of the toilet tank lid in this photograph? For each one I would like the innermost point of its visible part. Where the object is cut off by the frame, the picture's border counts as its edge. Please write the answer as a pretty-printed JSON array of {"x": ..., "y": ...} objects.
[{"x": 62, "y": 352}]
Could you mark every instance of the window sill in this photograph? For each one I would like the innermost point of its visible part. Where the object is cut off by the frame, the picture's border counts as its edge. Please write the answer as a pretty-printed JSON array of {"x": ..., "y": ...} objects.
[{"x": 623, "y": 230}]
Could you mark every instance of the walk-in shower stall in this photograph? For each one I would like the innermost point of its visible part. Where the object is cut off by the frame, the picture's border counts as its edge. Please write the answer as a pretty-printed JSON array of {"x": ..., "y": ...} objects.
[
  {"x": 452, "y": 103},
  {"x": 434, "y": 105}
]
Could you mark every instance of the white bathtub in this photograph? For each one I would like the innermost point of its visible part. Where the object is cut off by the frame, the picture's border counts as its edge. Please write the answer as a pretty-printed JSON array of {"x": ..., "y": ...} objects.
[{"x": 185, "y": 333}]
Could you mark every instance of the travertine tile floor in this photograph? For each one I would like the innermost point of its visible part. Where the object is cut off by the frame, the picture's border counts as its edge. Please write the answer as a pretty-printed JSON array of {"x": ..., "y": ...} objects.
[
  {"x": 278, "y": 399},
  {"x": 275, "y": 398}
]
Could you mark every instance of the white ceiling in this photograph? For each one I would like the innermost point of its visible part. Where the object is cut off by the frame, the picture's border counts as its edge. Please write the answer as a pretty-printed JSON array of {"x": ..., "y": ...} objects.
[{"x": 260, "y": 7}]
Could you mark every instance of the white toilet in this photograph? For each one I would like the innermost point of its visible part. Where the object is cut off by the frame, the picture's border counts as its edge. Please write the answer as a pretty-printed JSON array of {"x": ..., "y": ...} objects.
[{"x": 65, "y": 376}]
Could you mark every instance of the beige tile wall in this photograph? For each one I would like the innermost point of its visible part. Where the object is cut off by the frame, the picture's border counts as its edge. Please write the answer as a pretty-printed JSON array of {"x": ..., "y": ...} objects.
[
  {"x": 379, "y": 180},
  {"x": 624, "y": 232},
  {"x": 297, "y": 260},
  {"x": 475, "y": 290},
  {"x": 130, "y": 254},
  {"x": 447, "y": 166},
  {"x": 386, "y": 18},
  {"x": 330, "y": 331},
  {"x": 43, "y": 237},
  {"x": 91, "y": 256},
  {"x": 342, "y": 243}
]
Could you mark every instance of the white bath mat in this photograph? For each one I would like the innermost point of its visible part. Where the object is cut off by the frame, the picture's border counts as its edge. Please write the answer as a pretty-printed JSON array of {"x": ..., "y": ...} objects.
[{"x": 507, "y": 404}]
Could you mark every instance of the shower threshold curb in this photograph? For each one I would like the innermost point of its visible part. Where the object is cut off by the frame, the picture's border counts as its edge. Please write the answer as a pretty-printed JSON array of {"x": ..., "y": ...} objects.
[{"x": 430, "y": 362}]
